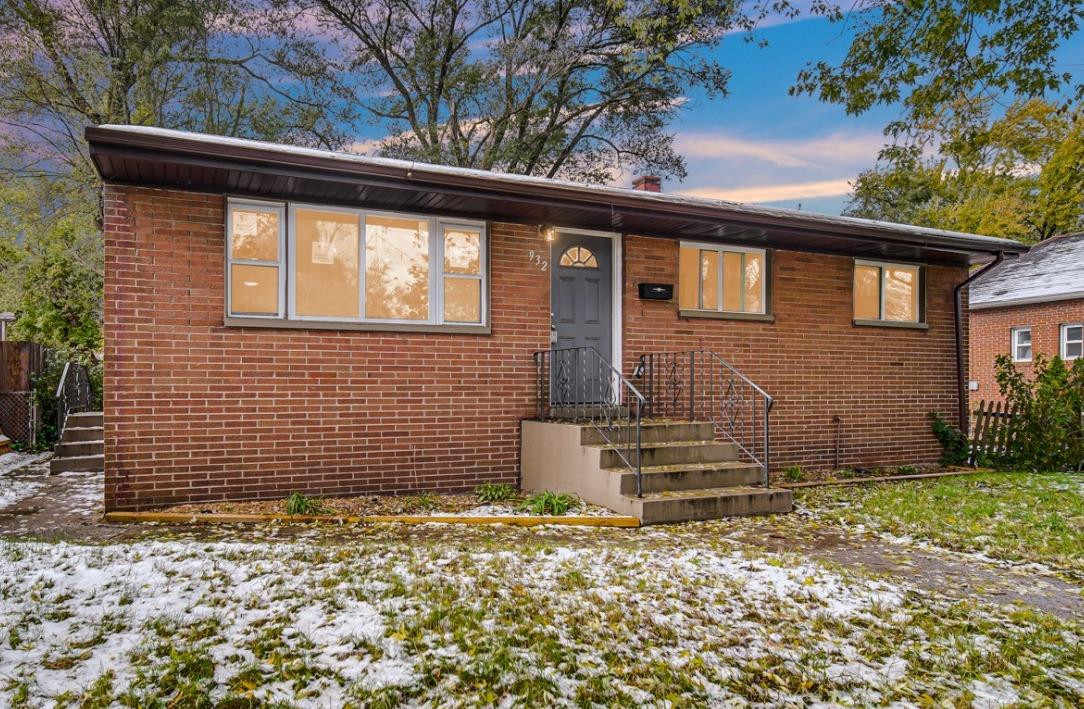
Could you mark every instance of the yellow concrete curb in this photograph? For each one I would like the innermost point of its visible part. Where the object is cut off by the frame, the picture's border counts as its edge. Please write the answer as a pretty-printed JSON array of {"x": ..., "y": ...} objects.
[{"x": 209, "y": 518}]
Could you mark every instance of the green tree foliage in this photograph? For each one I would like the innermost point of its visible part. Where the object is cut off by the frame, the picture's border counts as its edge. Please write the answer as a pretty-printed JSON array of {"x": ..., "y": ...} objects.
[
  {"x": 1048, "y": 430},
  {"x": 1020, "y": 176},
  {"x": 931, "y": 55},
  {"x": 571, "y": 88}
]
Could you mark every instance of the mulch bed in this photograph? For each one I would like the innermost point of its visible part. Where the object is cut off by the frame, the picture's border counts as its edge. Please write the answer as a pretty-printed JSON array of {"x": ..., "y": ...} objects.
[{"x": 360, "y": 506}]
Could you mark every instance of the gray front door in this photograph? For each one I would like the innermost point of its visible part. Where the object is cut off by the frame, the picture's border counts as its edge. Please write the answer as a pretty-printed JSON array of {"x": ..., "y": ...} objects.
[{"x": 582, "y": 302}]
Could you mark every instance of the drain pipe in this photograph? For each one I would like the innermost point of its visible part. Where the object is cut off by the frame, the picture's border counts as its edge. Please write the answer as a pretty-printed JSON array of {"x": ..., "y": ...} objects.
[{"x": 957, "y": 313}]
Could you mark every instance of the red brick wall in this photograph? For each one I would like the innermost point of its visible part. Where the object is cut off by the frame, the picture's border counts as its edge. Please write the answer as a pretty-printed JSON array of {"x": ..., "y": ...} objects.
[
  {"x": 990, "y": 337},
  {"x": 813, "y": 360},
  {"x": 197, "y": 411}
]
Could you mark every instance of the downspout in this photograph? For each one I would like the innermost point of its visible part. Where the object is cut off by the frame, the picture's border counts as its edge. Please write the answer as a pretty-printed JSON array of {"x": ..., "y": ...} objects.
[{"x": 957, "y": 313}]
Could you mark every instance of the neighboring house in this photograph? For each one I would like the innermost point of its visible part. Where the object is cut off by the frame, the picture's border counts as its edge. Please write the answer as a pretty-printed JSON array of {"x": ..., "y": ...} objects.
[
  {"x": 6, "y": 321},
  {"x": 1026, "y": 306},
  {"x": 279, "y": 318}
]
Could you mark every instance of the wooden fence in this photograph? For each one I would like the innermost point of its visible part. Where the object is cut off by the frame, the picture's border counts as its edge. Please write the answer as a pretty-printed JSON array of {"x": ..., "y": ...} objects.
[
  {"x": 993, "y": 433},
  {"x": 19, "y": 363}
]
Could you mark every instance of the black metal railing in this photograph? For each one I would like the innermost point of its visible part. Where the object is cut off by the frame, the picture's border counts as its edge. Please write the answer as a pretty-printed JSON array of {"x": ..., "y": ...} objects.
[
  {"x": 72, "y": 394},
  {"x": 699, "y": 385},
  {"x": 579, "y": 384}
]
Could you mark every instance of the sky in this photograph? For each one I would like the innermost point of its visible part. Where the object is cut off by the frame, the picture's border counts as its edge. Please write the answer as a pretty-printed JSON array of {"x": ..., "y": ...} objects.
[{"x": 761, "y": 145}]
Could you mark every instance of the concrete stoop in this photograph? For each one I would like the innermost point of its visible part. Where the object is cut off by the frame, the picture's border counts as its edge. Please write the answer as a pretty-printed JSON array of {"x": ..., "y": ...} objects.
[
  {"x": 82, "y": 445},
  {"x": 687, "y": 475}
]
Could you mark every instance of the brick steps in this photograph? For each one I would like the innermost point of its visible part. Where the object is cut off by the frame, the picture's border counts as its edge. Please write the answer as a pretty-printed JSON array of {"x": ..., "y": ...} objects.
[{"x": 82, "y": 445}]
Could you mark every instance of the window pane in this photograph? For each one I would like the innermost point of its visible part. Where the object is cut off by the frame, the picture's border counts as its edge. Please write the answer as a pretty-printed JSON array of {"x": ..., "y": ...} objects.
[
  {"x": 754, "y": 283},
  {"x": 462, "y": 300},
  {"x": 901, "y": 293},
  {"x": 327, "y": 264},
  {"x": 867, "y": 292},
  {"x": 396, "y": 268},
  {"x": 689, "y": 279},
  {"x": 255, "y": 235},
  {"x": 732, "y": 281},
  {"x": 1074, "y": 350},
  {"x": 709, "y": 280},
  {"x": 462, "y": 251},
  {"x": 254, "y": 289}
]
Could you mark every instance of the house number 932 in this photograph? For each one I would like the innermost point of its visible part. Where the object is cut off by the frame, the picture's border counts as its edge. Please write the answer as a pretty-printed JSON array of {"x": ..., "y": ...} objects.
[{"x": 536, "y": 258}]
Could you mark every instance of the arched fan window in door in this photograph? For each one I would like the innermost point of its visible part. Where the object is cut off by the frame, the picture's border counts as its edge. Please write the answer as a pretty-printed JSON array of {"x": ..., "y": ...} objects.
[{"x": 578, "y": 257}]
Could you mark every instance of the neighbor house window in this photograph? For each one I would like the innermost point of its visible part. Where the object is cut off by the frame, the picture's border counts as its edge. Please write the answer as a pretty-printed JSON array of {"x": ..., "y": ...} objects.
[
  {"x": 255, "y": 276},
  {"x": 725, "y": 279},
  {"x": 336, "y": 264},
  {"x": 1072, "y": 341},
  {"x": 887, "y": 292},
  {"x": 1021, "y": 344}
]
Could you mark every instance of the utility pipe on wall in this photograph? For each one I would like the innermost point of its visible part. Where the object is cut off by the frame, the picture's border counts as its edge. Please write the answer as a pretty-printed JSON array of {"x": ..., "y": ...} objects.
[{"x": 957, "y": 312}]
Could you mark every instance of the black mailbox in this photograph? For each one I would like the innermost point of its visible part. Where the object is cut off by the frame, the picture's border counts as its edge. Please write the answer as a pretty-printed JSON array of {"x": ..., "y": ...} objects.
[{"x": 656, "y": 291}]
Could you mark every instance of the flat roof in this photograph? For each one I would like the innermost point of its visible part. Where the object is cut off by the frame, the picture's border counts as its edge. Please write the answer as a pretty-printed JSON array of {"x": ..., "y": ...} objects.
[
  {"x": 1052, "y": 271},
  {"x": 178, "y": 159}
]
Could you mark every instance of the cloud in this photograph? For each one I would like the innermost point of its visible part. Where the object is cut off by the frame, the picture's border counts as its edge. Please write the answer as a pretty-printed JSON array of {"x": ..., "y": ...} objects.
[
  {"x": 833, "y": 149},
  {"x": 775, "y": 193}
]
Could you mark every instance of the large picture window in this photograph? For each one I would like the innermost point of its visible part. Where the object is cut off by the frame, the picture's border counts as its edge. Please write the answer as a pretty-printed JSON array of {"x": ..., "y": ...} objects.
[
  {"x": 722, "y": 279},
  {"x": 887, "y": 292},
  {"x": 318, "y": 263}
]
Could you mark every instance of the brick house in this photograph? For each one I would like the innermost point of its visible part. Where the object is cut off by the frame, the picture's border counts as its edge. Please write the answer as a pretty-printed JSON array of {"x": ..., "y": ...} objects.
[
  {"x": 1025, "y": 306},
  {"x": 282, "y": 319}
]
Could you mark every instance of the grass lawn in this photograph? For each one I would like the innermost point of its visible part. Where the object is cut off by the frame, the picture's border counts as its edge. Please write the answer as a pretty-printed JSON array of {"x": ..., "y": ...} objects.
[
  {"x": 387, "y": 616},
  {"x": 1012, "y": 516}
]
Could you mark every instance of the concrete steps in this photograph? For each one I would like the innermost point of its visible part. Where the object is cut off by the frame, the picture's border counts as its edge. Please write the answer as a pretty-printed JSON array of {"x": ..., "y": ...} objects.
[
  {"x": 686, "y": 473},
  {"x": 82, "y": 446}
]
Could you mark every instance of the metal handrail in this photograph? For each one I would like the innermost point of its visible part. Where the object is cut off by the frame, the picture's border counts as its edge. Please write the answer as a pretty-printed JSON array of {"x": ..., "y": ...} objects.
[
  {"x": 579, "y": 384},
  {"x": 72, "y": 393},
  {"x": 701, "y": 385}
]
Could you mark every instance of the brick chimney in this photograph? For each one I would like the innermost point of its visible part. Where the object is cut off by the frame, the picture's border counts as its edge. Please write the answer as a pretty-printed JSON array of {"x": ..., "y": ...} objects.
[{"x": 648, "y": 183}]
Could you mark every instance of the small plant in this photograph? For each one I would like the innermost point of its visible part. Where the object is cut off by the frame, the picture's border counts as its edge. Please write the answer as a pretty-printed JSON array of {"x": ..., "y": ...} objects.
[
  {"x": 426, "y": 502},
  {"x": 793, "y": 474},
  {"x": 550, "y": 503},
  {"x": 300, "y": 504},
  {"x": 495, "y": 492},
  {"x": 907, "y": 470},
  {"x": 955, "y": 448}
]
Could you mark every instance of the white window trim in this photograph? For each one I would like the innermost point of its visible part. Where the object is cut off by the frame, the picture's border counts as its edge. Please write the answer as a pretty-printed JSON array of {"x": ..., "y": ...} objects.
[
  {"x": 920, "y": 310},
  {"x": 720, "y": 249},
  {"x": 256, "y": 205},
  {"x": 1065, "y": 339},
  {"x": 1015, "y": 346},
  {"x": 287, "y": 309}
]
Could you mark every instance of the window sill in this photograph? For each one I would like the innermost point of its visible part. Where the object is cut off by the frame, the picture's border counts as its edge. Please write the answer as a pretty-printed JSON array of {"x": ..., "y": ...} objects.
[
  {"x": 893, "y": 324},
  {"x": 283, "y": 324},
  {"x": 716, "y": 315}
]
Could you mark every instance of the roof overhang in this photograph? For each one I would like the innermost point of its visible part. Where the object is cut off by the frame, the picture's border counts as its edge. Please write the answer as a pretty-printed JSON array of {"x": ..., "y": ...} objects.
[
  {"x": 1036, "y": 300},
  {"x": 175, "y": 159}
]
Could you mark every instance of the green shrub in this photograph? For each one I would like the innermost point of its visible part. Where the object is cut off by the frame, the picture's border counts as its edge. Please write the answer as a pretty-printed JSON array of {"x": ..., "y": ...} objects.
[
  {"x": 550, "y": 503},
  {"x": 495, "y": 492},
  {"x": 793, "y": 474},
  {"x": 425, "y": 502},
  {"x": 955, "y": 448},
  {"x": 1047, "y": 430},
  {"x": 300, "y": 504}
]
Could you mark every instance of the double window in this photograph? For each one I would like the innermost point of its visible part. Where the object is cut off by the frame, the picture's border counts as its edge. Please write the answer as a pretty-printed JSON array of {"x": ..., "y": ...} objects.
[
  {"x": 722, "y": 279},
  {"x": 1021, "y": 344},
  {"x": 887, "y": 292},
  {"x": 318, "y": 263},
  {"x": 1072, "y": 341}
]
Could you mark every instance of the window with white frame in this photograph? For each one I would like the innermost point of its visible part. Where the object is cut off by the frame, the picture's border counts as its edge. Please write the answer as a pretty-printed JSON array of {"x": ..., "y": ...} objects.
[
  {"x": 336, "y": 264},
  {"x": 1021, "y": 344},
  {"x": 888, "y": 292},
  {"x": 725, "y": 279},
  {"x": 255, "y": 276},
  {"x": 1072, "y": 341}
]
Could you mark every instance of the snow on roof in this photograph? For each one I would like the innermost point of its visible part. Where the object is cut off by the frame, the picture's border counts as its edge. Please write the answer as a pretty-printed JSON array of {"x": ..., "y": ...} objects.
[
  {"x": 992, "y": 243},
  {"x": 1052, "y": 270}
]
